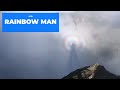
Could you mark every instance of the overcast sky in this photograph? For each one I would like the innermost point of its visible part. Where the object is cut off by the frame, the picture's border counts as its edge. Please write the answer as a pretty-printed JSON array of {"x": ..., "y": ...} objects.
[{"x": 44, "y": 55}]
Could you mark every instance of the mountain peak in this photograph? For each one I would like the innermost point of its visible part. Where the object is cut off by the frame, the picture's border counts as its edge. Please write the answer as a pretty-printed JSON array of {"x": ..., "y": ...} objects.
[
  {"x": 94, "y": 71},
  {"x": 89, "y": 72}
]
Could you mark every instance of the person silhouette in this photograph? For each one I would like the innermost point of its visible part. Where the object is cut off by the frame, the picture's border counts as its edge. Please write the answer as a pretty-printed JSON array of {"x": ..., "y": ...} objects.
[{"x": 73, "y": 58}]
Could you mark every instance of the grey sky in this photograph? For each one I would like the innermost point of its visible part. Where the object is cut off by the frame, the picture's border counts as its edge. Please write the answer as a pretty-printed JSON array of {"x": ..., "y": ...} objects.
[{"x": 43, "y": 55}]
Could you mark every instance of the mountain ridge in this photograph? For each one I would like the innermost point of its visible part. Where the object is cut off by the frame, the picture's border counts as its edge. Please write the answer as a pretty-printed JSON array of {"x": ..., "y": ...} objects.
[{"x": 94, "y": 71}]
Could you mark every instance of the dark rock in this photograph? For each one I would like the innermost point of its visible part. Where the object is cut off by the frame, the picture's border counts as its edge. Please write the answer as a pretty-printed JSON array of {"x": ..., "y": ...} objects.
[{"x": 95, "y": 71}]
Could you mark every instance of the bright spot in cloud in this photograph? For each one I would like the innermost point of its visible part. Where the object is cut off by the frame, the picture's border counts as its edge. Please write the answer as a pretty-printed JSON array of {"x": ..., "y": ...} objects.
[{"x": 72, "y": 38}]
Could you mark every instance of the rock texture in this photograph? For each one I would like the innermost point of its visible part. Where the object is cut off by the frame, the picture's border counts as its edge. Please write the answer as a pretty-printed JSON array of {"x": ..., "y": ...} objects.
[{"x": 95, "y": 71}]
